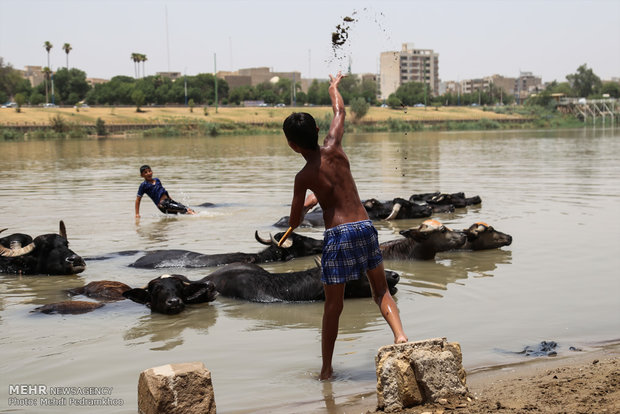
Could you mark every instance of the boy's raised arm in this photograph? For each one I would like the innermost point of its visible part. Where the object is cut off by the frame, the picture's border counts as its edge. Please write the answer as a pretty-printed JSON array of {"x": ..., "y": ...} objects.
[{"x": 336, "y": 130}]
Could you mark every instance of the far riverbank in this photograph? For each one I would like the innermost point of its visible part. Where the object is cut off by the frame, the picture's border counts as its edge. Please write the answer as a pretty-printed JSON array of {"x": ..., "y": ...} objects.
[{"x": 69, "y": 122}]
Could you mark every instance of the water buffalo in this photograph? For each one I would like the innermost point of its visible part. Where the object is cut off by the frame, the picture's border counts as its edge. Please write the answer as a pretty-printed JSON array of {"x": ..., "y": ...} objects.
[
  {"x": 301, "y": 246},
  {"x": 71, "y": 307},
  {"x": 106, "y": 290},
  {"x": 481, "y": 236},
  {"x": 423, "y": 242},
  {"x": 457, "y": 200},
  {"x": 102, "y": 290},
  {"x": 313, "y": 218},
  {"x": 169, "y": 294},
  {"x": 46, "y": 254},
  {"x": 398, "y": 208},
  {"x": 251, "y": 282}
]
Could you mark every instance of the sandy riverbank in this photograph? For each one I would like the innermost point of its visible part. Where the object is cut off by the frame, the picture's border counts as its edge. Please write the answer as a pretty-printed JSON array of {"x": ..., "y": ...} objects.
[
  {"x": 585, "y": 382},
  {"x": 253, "y": 115}
]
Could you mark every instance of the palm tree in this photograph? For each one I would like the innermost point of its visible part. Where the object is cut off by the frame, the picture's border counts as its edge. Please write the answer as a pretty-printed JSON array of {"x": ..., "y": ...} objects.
[
  {"x": 48, "y": 46},
  {"x": 67, "y": 48},
  {"x": 46, "y": 72},
  {"x": 143, "y": 59},
  {"x": 136, "y": 58}
]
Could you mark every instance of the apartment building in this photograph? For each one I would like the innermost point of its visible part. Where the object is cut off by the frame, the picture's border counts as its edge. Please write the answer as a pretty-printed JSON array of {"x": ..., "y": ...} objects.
[
  {"x": 408, "y": 65},
  {"x": 525, "y": 85},
  {"x": 255, "y": 76}
]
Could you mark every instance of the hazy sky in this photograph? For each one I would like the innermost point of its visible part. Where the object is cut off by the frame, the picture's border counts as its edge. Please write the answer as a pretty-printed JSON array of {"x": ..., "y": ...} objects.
[{"x": 473, "y": 38}]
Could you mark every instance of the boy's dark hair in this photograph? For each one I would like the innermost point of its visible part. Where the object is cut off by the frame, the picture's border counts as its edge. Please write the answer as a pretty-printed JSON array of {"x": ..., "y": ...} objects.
[
  {"x": 143, "y": 168},
  {"x": 300, "y": 128}
]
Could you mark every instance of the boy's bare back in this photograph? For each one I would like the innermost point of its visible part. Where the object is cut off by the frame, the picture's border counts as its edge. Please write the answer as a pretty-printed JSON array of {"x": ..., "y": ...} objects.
[{"x": 327, "y": 173}]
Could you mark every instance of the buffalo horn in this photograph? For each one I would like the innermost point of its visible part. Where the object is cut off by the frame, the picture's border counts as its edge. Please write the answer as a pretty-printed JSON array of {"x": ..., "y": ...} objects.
[
  {"x": 16, "y": 252},
  {"x": 287, "y": 243},
  {"x": 261, "y": 240},
  {"x": 3, "y": 230},
  {"x": 63, "y": 230},
  {"x": 394, "y": 212}
]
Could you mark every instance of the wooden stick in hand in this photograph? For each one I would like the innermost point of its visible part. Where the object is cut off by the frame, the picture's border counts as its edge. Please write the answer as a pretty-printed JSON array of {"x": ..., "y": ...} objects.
[{"x": 288, "y": 232}]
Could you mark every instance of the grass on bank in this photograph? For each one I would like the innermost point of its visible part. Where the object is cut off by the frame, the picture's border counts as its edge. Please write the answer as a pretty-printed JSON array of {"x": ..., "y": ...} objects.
[{"x": 62, "y": 123}]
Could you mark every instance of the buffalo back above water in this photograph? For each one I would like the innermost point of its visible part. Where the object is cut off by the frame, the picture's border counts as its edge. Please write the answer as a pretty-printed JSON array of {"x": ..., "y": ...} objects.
[
  {"x": 251, "y": 282},
  {"x": 301, "y": 246}
]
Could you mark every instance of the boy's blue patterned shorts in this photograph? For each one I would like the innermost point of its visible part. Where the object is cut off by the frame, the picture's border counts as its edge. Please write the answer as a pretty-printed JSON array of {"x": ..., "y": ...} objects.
[{"x": 349, "y": 250}]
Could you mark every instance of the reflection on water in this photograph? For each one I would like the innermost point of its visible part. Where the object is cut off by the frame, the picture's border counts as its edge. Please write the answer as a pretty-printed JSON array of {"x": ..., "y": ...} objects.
[
  {"x": 433, "y": 276},
  {"x": 165, "y": 332},
  {"x": 556, "y": 192}
]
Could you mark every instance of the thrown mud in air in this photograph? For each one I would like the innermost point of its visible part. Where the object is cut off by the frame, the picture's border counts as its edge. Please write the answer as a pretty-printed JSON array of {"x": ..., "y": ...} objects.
[
  {"x": 340, "y": 39},
  {"x": 341, "y": 35}
]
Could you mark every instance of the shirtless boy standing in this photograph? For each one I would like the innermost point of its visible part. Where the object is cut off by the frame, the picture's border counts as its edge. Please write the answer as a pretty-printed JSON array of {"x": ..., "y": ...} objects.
[{"x": 351, "y": 245}]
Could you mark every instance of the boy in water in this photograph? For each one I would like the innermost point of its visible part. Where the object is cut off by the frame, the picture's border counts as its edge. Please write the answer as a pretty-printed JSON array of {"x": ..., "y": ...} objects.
[
  {"x": 159, "y": 195},
  {"x": 351, "y": 245}
]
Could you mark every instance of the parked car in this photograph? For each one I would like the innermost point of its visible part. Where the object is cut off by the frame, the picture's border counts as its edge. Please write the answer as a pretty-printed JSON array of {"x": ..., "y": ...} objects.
[
  {"x": 9, "y": 105},
  {"x": 50, "y": 105}
]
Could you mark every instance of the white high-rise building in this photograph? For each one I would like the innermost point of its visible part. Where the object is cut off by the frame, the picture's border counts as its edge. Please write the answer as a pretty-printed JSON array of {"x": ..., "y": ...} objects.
[{"x": 408, "y": 65}]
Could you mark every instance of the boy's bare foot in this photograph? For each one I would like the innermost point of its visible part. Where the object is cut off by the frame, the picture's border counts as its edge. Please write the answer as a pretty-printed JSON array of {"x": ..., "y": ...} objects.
[
  {"x": 326, "y": 374},
  {"x": 190, "y": 211}
]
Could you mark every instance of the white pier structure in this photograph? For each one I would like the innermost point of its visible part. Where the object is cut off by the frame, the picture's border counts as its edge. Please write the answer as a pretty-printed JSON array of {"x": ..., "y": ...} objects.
[{"x": 591, "y": 108}]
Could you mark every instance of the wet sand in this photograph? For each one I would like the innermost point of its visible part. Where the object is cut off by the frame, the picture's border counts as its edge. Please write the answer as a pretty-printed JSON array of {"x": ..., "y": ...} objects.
[{"x": 586, "y": 382}]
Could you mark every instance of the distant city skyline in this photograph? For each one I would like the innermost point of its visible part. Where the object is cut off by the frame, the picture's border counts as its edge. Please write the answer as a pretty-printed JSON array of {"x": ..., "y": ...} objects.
[{"x": 474, "y": 39}]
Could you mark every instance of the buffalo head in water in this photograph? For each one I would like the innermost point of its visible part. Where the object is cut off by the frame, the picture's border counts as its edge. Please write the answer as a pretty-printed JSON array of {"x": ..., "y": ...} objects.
[
  {"x": 46, "y": 254},
  {"x": 423, "y": 242},
  {"x": 170, "y": 293},
  {"x": 481, "y": 236}
]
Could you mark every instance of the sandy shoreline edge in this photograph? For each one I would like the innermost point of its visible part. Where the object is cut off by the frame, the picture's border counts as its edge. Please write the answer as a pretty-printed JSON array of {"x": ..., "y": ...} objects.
[{"x": 580, "y": 382}]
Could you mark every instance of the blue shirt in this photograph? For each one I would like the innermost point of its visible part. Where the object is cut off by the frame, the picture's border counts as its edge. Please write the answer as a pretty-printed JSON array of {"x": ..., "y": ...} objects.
[{"x": 155, "y": 191}]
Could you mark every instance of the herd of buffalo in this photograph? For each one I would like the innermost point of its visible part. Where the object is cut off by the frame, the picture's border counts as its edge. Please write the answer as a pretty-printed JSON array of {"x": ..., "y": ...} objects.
[{"x": 238, "y": 275}]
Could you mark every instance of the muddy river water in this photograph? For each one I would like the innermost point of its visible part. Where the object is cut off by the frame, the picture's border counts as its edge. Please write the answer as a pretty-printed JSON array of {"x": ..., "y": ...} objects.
[{"x": 556, "y": 192}]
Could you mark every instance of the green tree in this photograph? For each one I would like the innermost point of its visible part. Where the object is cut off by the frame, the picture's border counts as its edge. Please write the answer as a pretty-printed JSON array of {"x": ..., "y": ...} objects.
[
  {"x": 46, "y": 73},
  {"x": 584, "y": 82},
  {"x": 20, "y": 100},
  {"x": 359, "y": 107},
  {"x": 394, "y": 101},
  {"x": 48, "y": 46},
  {"x": 135, "y": 57},
  {"x": 11, "y": 82},
  {"x": 67, "y": 48},
  {"x": 612, "y": 89},
  {"x": 138, "y": 99},
  {"x": 368, "y": 91},
  {"x": 410, "y": 93},
  {"x": 70, "y": 86},
  {"x": 142, "y": 58}
]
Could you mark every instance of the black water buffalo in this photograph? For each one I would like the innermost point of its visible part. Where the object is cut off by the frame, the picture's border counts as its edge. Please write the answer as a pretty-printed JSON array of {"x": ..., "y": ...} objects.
[
  {"x": 251, "y": 282},
  {"x": 458, "y": 200},
  {"x": 423, "y": 242},
  {"x": 481, "y": 236},
  {"x": 313, "y": 218},
  {"x": 46, "y": 254},
  {"x": 398, "y": 208},
  {"x": 170, "y": 293},
  {"x": 301, "y": 246}
]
